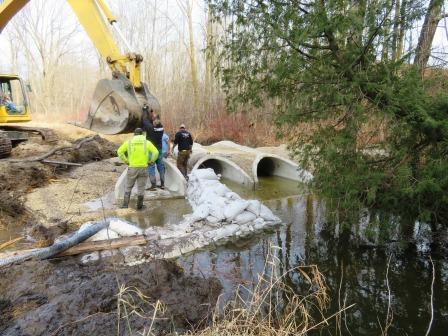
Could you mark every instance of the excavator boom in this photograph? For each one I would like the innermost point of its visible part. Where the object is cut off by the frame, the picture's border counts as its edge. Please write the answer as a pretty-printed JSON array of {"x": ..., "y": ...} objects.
[{"x": 117, "y": 103}]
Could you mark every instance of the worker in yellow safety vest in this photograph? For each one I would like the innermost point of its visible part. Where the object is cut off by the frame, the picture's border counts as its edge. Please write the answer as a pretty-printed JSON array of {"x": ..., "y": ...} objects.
[{"x": 135, "y": 153}]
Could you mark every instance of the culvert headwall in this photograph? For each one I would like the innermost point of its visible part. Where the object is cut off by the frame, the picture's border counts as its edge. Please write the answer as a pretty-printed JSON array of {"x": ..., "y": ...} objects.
[
  {"x": 226, "y": 168},
  {"x": 273, "y": 165},
  {"x": 174, "y": 182}
]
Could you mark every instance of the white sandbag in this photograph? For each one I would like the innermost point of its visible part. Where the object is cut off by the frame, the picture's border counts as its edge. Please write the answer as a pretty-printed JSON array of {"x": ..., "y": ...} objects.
[
  {"x": 201, "y": 212},
  {"x": 217, "y": 209},
  {"x": 244, "y": 217},
  {"x": 212, "y": 220},
  {"x": 254, "y": 207},
  {"x": 208, "y": 196},
  {"x": 205, "y": 174},
  {"x": 234, "y": 209},
  {"x": 221, "y": 190},
  {"x": 222, "y": 233},
  {"x": 104, "y": 234},
  {"x": 259, "y": 223},
  {"x": 267, "y": 214},
  {"x": 124, "y": 229},
  {"x": 232, "y": 196}
]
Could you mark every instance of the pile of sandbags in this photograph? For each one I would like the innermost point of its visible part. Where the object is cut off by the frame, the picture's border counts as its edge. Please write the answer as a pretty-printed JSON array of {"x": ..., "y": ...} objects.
[
  {"x": 214, "y": 203},
  {"x": 117, "y": 228},
  {"x": 219, "y": 216}
]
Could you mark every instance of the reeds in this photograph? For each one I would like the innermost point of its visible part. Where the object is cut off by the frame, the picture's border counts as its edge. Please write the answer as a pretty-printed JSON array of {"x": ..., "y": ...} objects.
[{"x": 273, "y": 305}]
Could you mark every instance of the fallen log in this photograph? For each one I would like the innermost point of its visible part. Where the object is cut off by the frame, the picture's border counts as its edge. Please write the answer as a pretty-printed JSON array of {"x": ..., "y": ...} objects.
[
  {"x": 54, "y": 150},
  {"x": 60, "y": 246},
  {"x": 84, "y": 247},
  {"x": 65, "y": 163}
]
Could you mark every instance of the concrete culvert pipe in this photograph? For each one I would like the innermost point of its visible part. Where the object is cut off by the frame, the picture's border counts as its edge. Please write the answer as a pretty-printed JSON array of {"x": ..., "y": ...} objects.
[
  {"x": 273, "y": 165},
  {"x": 226, "y": 168},
  {"x": 174, "y": 182},
  {"x": 266, "y": 167}
]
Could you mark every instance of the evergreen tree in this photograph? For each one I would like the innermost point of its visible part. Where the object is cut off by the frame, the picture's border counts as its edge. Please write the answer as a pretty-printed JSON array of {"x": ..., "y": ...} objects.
[{"x": 377, "y": 133}]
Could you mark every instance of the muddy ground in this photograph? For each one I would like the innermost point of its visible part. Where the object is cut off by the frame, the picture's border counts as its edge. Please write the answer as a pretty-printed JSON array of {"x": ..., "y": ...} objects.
[
  {"x": 18, "y": 180},
  {"x": 66, "y": 298}
]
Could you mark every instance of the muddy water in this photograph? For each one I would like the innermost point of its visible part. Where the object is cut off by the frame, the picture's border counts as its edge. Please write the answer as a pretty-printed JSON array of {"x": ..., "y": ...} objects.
[
  {"x": 355, "y": 275},
  {"x": 160, "y": 213}
]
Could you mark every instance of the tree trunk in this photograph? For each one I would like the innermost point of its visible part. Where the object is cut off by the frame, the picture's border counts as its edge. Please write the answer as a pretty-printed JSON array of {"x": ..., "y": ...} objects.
[
  {"x": 396, "y": 33},
  {"x": 427, "y": 33},
  {"x": 386, "y": 42},
  {"x": 192, "y": 54},
  {"x": 400, "y": 43},
  {"x": 209, "y": 62}
]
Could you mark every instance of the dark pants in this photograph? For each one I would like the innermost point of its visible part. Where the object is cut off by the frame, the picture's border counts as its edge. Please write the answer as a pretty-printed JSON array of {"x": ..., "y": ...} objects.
[{"x": 182, "y": 161}]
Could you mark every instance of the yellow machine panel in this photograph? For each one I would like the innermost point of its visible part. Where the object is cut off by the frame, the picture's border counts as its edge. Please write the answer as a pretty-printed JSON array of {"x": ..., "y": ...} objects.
[{"x": 14, "y": 104}]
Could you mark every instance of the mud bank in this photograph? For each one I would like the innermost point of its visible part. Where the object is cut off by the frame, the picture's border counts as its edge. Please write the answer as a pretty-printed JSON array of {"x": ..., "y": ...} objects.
[
  {"x": 31, "y": 192},
  {"x": 66, "y": 298}
]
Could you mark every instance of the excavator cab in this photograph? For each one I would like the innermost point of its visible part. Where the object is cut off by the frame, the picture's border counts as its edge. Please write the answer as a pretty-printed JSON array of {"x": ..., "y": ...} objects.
[{"x": 14, "y": 103}]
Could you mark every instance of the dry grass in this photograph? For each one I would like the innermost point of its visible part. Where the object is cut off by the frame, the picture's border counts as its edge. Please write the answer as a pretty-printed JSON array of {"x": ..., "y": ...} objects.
[
  {"x": 131, "y": 301},
  {"x": 10, "y": 242},
  {"x": 271, "y": 307},
  {"x": 237, "y": 128}
]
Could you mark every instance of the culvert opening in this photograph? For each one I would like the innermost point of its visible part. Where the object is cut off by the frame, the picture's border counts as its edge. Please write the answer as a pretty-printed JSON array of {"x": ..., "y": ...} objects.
[
  {"x": 265, "y": 167},
  {"x": 213, "y": 164}
]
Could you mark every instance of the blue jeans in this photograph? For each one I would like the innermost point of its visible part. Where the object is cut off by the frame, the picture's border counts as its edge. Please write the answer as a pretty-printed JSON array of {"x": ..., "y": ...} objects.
[{"x": 152, "y": 171}]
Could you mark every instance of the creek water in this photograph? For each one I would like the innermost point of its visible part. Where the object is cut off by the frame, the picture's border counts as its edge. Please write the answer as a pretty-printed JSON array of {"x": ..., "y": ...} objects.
[{"x": 355, "y": 275}]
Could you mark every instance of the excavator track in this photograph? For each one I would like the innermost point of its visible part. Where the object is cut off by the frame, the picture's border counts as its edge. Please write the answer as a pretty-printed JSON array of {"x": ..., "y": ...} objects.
[
  {"x": 5, "y": 147},
  {"x": 47, "y": 134}
]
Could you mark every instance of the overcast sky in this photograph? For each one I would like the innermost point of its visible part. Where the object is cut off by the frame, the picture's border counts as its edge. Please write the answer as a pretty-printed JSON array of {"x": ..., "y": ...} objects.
[{"x": 174, "y": 15}]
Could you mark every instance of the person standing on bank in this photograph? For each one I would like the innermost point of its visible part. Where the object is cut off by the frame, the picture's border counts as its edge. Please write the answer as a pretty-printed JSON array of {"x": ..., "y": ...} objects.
[
  {"x": 154, "y": 133},
  {"x": 135, "y": 153},
  {"x": 184, "y": 142}
]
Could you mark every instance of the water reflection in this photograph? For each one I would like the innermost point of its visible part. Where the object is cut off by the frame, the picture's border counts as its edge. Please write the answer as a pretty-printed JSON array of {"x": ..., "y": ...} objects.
[{"x": 352, "y": 275}]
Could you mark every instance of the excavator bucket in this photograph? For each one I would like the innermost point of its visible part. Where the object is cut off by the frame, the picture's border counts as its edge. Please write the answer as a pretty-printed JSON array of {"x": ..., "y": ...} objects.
[{"x": 117, "y": 107}]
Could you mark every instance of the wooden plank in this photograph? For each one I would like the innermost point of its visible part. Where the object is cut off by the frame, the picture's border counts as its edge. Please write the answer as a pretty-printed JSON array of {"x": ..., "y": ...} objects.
[
  {"x": 90, "y": 246},
  {"x": 104, "y": 245}
]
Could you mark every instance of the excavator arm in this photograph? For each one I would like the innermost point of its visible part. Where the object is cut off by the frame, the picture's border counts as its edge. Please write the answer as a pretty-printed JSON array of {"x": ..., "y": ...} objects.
[{"x": 117, "y": 103}]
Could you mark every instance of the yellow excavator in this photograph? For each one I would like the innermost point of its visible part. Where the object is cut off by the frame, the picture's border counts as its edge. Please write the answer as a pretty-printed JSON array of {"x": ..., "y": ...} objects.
[{"x": 117, "y": 103}]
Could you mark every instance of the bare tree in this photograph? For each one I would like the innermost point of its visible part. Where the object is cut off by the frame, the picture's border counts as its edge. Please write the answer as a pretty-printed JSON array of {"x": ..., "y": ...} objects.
[
  {"x": 187, "y": 8},
  {"x": 432, "y": 18}
]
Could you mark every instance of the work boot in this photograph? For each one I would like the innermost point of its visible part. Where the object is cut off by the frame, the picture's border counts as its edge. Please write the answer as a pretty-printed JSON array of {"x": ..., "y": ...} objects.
[
  {"x": 152, "y": 179},
  {"x": 126, "y": 198},
  {"x": 162, "y": 184},
  {"x": 140, "y": 205}
]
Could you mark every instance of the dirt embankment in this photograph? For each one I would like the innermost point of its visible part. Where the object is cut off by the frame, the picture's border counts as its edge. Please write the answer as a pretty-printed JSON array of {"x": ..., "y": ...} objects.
[
  {"x": 65, "y": 298},
  {"x": 17, "y": 179}
]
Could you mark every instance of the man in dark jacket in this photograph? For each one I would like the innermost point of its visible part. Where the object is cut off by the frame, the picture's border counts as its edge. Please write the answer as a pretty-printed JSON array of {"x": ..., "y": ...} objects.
[
  {"x": 154, "y": 133},
  {"x": 184, "y": 142}
]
